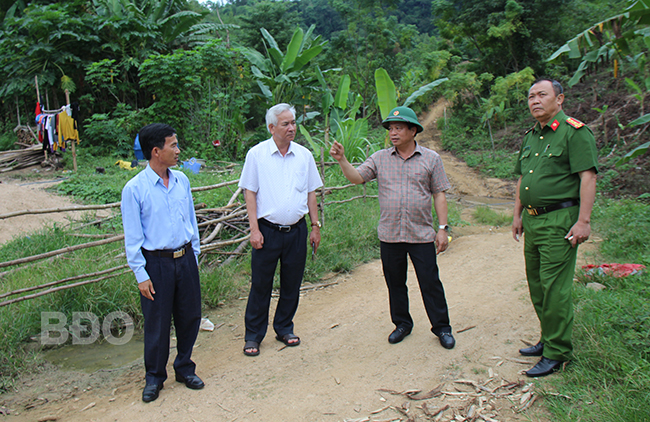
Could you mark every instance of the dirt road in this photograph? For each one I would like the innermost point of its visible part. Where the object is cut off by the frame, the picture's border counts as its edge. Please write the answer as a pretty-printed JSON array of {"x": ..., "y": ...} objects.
[{"x": 344, "y": 369}]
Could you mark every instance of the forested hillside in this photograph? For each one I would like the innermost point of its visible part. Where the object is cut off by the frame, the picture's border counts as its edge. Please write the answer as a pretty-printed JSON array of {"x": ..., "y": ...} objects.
[{"x": 212, "y": 68}]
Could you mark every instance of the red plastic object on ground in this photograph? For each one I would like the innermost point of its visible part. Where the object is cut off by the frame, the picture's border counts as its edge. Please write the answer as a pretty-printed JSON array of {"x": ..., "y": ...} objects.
[{"x": 616, "y": 270}]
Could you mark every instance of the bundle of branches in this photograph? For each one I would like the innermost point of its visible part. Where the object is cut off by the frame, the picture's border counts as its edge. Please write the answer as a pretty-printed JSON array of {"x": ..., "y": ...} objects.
[
  {"x": 212, "y": 222},
  {"x": 20, "y": 158},
  {"x": 26, "y": 136}
]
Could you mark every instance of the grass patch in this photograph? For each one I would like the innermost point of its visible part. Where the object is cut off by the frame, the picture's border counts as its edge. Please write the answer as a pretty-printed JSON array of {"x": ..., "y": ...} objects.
[
  {"x": 609, "y": 379},
  {"x": 486, "y": 215}
]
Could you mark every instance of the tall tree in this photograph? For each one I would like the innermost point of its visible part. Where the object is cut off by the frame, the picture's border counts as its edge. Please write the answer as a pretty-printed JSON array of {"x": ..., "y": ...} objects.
[
  {"x": 279, "y": 18},
  {"x": 502, "y": 36},
  {"x": 49, "y": 41}
]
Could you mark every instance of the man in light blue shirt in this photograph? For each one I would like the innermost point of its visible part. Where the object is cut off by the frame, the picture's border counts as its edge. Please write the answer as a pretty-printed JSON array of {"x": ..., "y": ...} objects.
[
  {"x": 161, "y": 238},
  {"x": 280, "y": 178}
]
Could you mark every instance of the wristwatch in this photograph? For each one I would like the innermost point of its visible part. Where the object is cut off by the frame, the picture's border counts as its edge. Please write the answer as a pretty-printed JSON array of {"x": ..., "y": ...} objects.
[
  {"x": 317, "y": 224},
  {"x": 444, "y": 227}
]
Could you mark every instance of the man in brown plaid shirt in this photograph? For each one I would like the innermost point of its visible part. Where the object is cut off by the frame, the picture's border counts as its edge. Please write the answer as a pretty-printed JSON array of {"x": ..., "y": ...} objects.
[{"x": 408, "y": 176}]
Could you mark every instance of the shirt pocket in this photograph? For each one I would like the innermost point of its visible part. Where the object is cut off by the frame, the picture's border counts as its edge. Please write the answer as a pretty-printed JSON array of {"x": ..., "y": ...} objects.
[
  {"x": 300, "y": 181},
  {"x": 179, "y": 207},
  {"x": 553, "y": 160}
]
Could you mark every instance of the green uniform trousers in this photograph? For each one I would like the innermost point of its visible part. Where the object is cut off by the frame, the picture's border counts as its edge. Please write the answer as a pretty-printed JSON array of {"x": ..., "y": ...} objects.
[{"x": 550, "y": 266}]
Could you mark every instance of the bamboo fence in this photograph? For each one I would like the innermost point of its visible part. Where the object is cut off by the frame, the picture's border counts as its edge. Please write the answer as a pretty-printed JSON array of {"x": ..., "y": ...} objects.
[{"x": 211, "y": 222}]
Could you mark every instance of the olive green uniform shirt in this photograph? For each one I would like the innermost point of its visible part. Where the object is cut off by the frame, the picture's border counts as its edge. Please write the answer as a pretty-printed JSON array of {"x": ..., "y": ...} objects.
[{"x": 551, "y": 158}]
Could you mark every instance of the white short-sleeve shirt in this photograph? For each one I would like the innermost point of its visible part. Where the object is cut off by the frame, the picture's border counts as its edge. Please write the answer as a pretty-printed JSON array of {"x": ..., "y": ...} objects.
[{"x": 281, "y": 183}]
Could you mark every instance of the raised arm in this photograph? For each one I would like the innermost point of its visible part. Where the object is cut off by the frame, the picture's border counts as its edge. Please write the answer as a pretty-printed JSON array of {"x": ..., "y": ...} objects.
[{"x": 338, "y": 153}]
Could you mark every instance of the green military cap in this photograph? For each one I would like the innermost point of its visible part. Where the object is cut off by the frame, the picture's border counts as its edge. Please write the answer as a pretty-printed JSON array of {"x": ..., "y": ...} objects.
[{"x": 402, "y": 114}]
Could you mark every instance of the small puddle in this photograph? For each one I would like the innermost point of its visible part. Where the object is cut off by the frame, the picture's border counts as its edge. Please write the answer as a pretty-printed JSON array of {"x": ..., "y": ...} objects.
[{"x": 93, "y": 357}]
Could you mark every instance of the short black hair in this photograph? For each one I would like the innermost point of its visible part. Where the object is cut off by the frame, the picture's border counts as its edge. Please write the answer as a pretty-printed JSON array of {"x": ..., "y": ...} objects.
[
  {"x": 557, "y": 87},
  {"x": 154, "y": 135}
]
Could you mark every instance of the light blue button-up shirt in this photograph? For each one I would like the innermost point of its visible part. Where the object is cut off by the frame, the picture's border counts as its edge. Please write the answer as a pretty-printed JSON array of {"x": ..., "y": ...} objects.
[{"x": 156, "y": 217}]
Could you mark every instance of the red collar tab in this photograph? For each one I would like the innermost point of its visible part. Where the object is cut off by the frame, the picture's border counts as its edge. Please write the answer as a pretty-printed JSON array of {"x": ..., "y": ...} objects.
[{"x": 555, "y": 124}]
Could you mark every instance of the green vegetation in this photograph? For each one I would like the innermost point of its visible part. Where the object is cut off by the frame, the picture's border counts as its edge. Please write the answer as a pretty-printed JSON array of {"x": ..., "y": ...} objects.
[
  {"x": 211, "y": 71},
  {"x": 609, "y": 379},
  {"x": 486, "y": 215}
]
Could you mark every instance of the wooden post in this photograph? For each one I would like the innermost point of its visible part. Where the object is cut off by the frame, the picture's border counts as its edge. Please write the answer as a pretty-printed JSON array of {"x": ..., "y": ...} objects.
[
  {"x": 18, "y": 111},
  {"x": 38, "y": 100},
  {"x": 322, "y": 190},
  {"x": 364, "y": 185},
  {"x": 74, "y": 149}
]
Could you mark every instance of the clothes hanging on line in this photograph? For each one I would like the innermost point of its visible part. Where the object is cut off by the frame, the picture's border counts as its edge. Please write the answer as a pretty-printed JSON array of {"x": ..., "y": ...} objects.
[{"x": 55, "y": 127}]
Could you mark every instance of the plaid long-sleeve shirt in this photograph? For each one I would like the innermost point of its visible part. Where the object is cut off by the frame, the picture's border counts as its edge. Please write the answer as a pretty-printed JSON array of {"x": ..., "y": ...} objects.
[{"x": 406, "y": 187}]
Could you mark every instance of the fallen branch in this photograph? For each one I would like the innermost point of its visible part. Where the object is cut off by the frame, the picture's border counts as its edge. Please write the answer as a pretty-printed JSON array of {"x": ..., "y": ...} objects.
[
  {"x": 236, "y": 252},
  {"x": 56, "y": 289},
  {"x": 351, "y": 199},
  {"x": 99, "y": 207},
  {"x": 91, "y": 236},
  {"x": 65, "y": 280},
  {"x": 61, "y": 209},
  {"x": 92, "y": 223},
  {"x": 61, "y": 251},
  {"x": 215, "y": 245},
  {"x": 219, "y": 185},
  {"x": 235, "y": 214},
  {"x": 317, "y": 286}
]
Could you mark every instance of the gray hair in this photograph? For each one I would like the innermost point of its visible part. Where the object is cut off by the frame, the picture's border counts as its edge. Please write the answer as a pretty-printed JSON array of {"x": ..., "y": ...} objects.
[
  {"x": 557, "y": 87},
  {"x": 273, "y": 113}
]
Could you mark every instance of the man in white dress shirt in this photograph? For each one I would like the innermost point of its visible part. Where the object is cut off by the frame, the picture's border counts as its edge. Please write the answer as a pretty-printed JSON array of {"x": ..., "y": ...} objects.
[{"x": 279, "y": 179}]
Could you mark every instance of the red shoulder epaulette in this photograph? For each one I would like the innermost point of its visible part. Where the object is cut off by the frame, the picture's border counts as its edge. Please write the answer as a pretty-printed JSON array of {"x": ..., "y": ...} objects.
[{"x": 576, "y": 124}]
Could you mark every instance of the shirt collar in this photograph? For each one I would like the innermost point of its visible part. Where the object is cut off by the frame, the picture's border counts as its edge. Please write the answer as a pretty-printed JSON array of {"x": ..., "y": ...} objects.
[
  {"x": 418, "y": 150},
  {"x": 554, "y": 123},
  {"x": 153, "y": 177},
  {"x": 273, "y": 148}
]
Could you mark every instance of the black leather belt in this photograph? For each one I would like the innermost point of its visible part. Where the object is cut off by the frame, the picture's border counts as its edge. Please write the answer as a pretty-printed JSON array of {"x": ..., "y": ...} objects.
[
  {"x": 279, "y": 227},
  {"x": 169, "y": 253},
  {"x": 554, "y": 207}
]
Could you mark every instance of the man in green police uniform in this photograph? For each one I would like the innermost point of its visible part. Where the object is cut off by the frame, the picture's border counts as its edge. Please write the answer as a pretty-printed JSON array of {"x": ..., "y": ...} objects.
[{"x": 557, "y": 185}]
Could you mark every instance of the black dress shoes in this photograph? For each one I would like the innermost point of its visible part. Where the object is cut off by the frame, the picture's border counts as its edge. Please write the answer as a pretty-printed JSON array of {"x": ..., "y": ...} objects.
[
  {"x": 536, "y": 350},
  {"x": 150, "y": 392},
  {"x": 191, "y": 381},
  {"x": 544, "y": 367},
  {"x": 398, "y": 335},
  {"x": 447, "y": 340}
]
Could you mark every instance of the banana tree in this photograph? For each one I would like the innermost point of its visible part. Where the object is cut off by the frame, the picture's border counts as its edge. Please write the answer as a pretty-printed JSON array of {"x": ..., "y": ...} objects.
[
  {"x": 281, "y": 76},
  {"x": 387, "y": 94},
  {"x": 340, "y": 119},
  {"x": 608, "y": 39},
  {"x": 351, "y": 133}
]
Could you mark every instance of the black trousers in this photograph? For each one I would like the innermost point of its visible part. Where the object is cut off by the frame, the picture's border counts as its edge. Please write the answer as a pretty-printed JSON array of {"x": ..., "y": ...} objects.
[
  {"x": 290, "y": 248},
  {"x": 178, "y": 294},
  {"x": 423, "y": 257}
]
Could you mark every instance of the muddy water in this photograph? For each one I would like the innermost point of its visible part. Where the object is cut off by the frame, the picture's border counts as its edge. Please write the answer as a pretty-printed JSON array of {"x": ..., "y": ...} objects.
[{"x": 93, "y": 357}]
